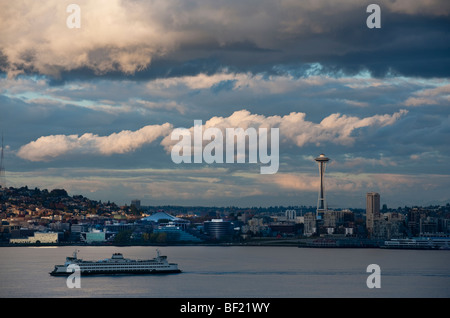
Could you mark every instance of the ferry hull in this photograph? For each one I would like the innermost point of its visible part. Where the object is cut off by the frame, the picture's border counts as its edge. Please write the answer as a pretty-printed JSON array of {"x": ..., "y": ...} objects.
[{"x": 106, "y": 272}]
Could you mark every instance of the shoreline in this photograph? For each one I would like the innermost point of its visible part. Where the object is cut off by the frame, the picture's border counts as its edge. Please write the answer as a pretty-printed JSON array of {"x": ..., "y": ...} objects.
[
  {"x": 297, "y": 243},
  {"x": 224, "y": 244}
]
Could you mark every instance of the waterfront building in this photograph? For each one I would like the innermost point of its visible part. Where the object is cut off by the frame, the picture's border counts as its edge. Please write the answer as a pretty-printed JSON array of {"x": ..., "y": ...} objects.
[
  {"x": 96, "y": 236},
  {"x": 428, "y": 226},
  {"x": 218, "y": 229},
  {"x": 255, "y": 225},
  {"x": 335, "y": 219},
  {"x": 38, "y": 237},
  {"x": 284, "y": 227},
  {"x": 388, "y": 226},
  {"x": 76, "y": 230}
]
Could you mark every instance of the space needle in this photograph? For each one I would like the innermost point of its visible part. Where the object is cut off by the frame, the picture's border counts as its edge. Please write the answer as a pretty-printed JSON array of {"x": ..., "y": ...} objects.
[{"x": 321, "y": 202}]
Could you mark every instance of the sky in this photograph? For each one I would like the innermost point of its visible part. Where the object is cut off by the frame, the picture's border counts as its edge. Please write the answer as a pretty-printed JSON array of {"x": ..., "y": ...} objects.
[{"x": 91, "y": 109}]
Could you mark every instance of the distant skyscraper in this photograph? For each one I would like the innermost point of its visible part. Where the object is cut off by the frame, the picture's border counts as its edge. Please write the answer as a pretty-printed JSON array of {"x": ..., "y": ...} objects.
[
  {"x": 372, "y": 210},
  {"x": 321, "y": 202}
]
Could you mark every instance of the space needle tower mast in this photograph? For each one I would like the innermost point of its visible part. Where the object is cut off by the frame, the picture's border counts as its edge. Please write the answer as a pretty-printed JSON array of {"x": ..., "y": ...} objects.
[
  {"x": 321, "y": 202},
  {"x": 2, "y": 168}
]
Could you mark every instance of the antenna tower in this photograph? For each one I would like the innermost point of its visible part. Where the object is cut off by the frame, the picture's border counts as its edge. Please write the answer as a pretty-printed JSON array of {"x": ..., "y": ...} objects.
[{"x": 2, "y": 169}]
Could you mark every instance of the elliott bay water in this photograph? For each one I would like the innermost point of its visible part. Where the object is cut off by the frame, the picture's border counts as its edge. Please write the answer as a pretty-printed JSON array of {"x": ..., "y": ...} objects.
[{"x": 233, "y": 272}]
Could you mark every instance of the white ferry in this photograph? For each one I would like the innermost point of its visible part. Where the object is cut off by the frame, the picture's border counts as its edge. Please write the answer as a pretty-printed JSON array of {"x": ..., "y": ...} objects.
[
  {"x": 418, "y": 243},
  {"x": 117, "y": 264}
]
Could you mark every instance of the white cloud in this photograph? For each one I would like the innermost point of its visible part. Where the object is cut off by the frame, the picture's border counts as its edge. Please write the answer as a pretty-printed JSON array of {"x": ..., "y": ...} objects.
[
  {"x": 430, "y": 96},
  {"x": 294, "y": 129},
  {"x": 50, "y": 147}
]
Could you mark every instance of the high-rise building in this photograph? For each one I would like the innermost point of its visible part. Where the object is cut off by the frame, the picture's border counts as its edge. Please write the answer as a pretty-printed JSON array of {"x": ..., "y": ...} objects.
[
  {"x": 372, "y": 210},
  {"x": 321, "y": 202}
]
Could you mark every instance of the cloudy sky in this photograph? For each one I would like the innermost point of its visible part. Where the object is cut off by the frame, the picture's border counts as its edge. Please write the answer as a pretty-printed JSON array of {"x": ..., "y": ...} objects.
[{"x": 91, "y": 109}]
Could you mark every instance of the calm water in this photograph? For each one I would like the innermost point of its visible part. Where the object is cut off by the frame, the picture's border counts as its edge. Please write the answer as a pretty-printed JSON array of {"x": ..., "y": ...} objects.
[{"x": 233, "y": 272}]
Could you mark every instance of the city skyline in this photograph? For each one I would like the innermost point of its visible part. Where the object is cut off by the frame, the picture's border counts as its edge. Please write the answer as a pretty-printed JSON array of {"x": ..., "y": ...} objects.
[{"x": 91, "y": 109}]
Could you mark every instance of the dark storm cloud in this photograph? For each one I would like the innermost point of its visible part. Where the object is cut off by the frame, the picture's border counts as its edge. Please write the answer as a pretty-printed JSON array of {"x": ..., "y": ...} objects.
[{"x": 177, "y": 39}]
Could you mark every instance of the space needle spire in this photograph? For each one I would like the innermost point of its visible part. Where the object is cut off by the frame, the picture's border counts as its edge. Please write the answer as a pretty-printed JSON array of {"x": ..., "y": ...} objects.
[{"x": 321, "y": 202}]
